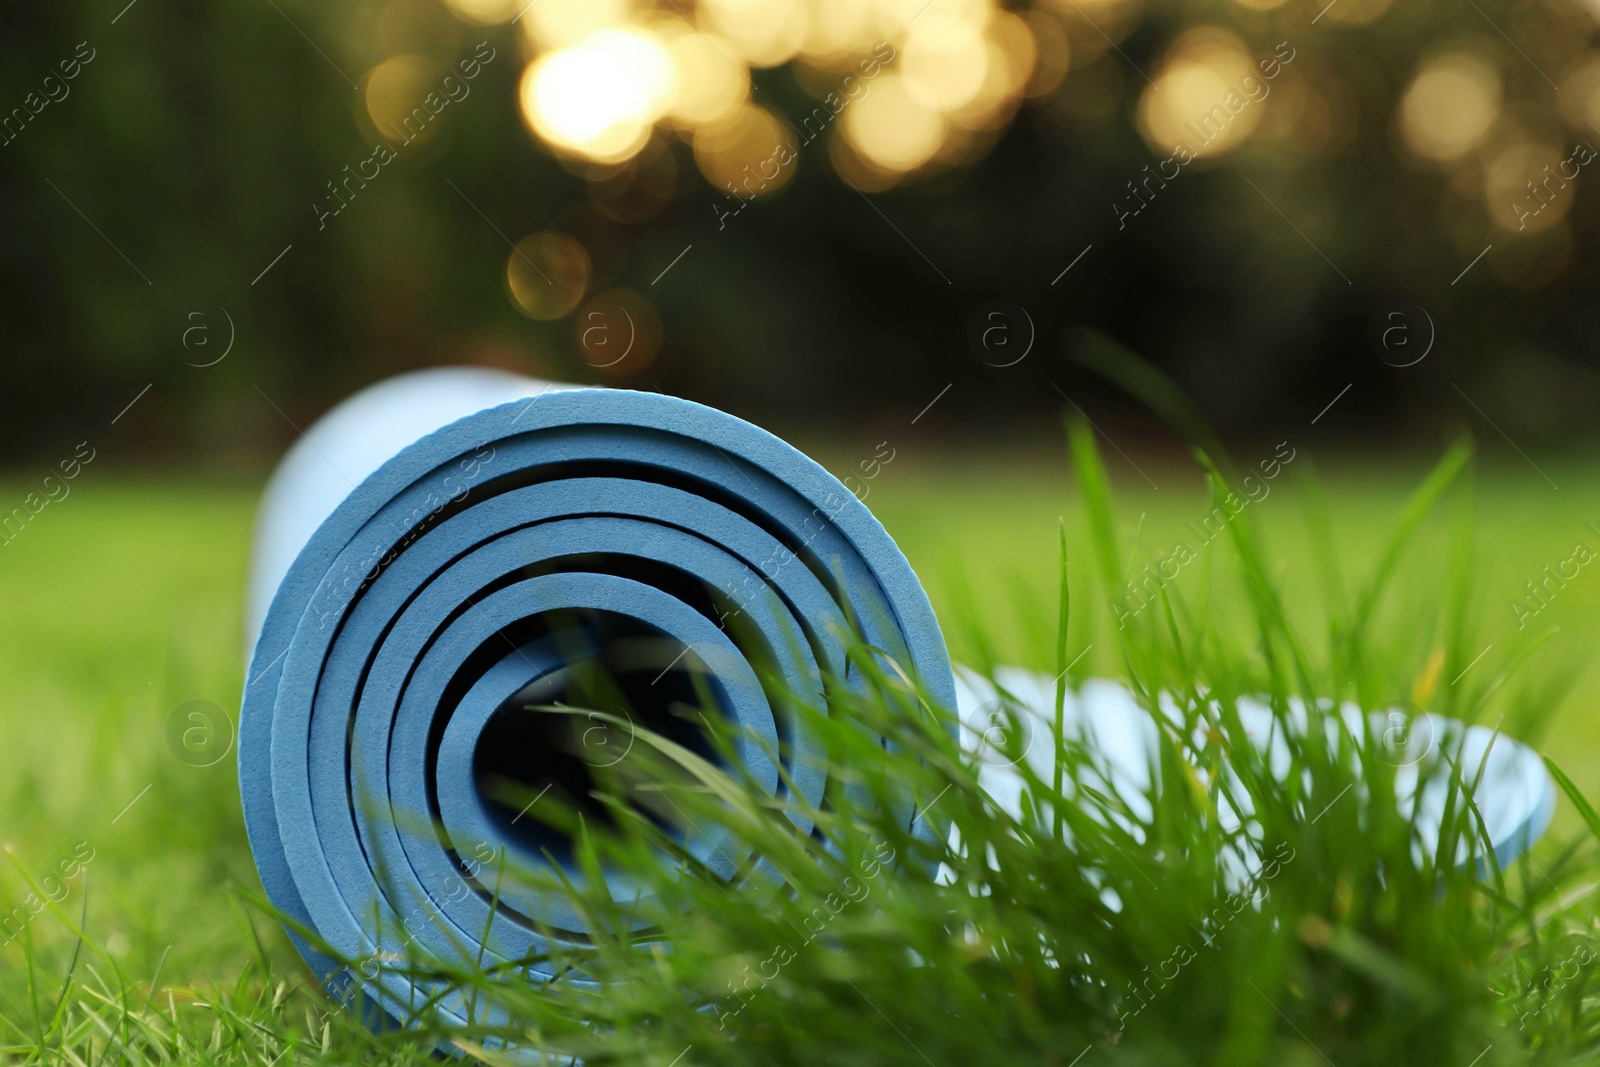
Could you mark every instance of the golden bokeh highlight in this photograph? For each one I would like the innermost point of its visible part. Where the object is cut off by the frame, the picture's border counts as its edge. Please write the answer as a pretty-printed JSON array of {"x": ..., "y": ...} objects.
[
  {"x": 1211, "y": 96},
  {"x": 857, "y": 172},
  {"x": 485, "y": 12},
  {"x": 905, "y": 89},
  {"x": 1579, "y": 95},
  {"x": 551, "y": 24},
  {"x": 747, "y": 154},
  {"x": 898, "y": 17},
  {"x": 944, "y": 62},
  {"x": 838, "y": 31},
  {"x": 1098, "y": 24},
  {"x": 547, "y": 274},
  {"x": 711, "y": 84},
  {"x": 600, "y": 99},
  {"x": 933, "y": 81},
  {"x": 891, "y": 129},
  {"x": 1524, "y": 188},
  {"x": 394, "y": 89},
  {"x": 1449, "y": 106},
  {"x": 764, "y": 32},
  {"x": 1093, "y": 8},
  {"x": 618, "y": 332},
  {"x": 1358, "y": 12},
  {"x": 992, "y": 105},
  {"x": 1012, "y": 57},
  {"x": 1052, "y": 53}
]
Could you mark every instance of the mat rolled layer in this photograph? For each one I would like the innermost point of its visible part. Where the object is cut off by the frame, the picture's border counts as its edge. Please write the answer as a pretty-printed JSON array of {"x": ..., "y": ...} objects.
[
  {"x": 1512, "y": 793},
  {"x": 485, "y": 570}
]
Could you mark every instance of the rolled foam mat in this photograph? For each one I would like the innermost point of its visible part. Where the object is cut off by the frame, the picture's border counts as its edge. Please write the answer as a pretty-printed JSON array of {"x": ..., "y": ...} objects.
[{"x": 451, "y": 547}]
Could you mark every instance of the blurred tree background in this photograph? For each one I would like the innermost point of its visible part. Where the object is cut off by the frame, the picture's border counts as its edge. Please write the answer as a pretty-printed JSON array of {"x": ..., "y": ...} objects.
[{"x": 345, "y": 190}]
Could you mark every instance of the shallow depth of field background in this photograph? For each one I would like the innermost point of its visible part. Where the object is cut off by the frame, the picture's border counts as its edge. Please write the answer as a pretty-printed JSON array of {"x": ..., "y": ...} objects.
[{"x": 191, "y": 273}]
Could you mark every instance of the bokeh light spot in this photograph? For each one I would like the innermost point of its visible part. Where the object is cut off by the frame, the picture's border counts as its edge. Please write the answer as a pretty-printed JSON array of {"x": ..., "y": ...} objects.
[
  {"x": 890, "y": 129},
  {"x": 765, "y": 32},
  {"x": 600, "y": 99},
  {"x": 546, "y": 275},
  {"x": 1525, "y": 188},
  {"x": 1579, "y": 95},
  {"x": 1358, "y": 12},
  {"x": 1211, "y": 95},
  {"x": 395, "y": 93},
  {"x": 747, "y": 154},
  {"x": 485, "y": 12},
  {"x": 554, "y": 24},
  {"x": 712, "y": 81},
  {"x": 944, "y": 61},
  {"x": 1449, "y": 106}
]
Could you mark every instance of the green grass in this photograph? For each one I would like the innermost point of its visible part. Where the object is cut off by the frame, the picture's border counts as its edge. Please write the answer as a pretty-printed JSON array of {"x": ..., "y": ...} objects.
[
  {"x": 981, "y": 531},
  {"x": 125, "y": 602}
]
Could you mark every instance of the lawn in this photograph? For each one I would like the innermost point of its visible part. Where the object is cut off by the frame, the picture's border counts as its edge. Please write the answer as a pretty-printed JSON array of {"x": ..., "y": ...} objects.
[{"x": 125, "y": 603}]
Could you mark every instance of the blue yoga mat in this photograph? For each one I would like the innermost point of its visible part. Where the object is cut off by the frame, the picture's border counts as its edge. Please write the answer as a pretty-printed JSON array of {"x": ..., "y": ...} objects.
[
  {"x": 454, "y": 546},
  {"x": 449, "y": 548}
]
